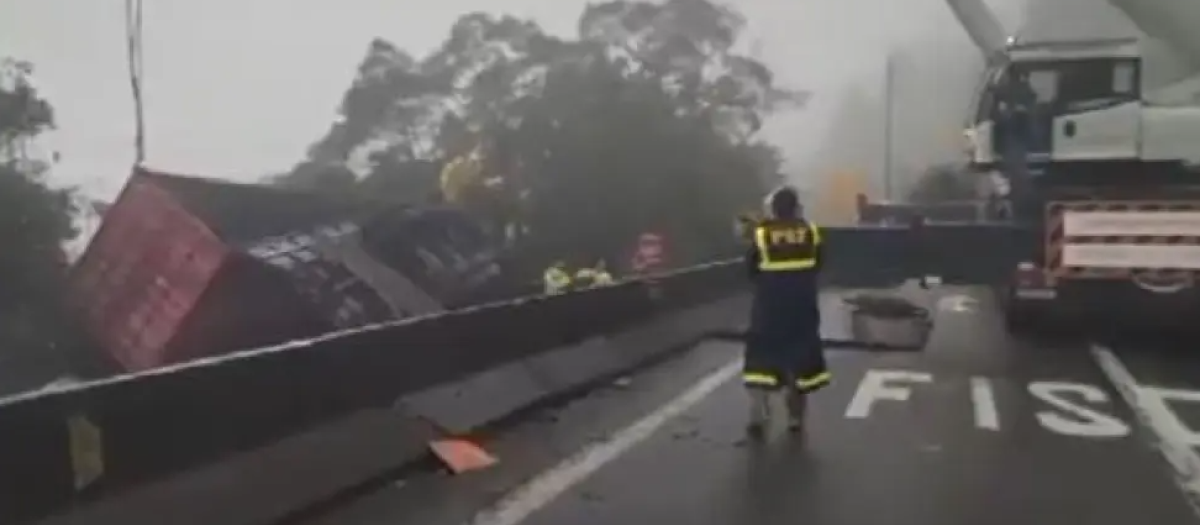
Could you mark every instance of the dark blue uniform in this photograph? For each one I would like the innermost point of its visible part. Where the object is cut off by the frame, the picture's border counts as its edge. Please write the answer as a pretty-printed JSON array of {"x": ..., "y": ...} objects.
[{"x": 783, "y": 348}]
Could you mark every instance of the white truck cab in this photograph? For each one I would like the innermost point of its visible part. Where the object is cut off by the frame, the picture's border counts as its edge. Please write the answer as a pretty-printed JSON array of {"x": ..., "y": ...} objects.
[{"x": 1086, "y": 102}]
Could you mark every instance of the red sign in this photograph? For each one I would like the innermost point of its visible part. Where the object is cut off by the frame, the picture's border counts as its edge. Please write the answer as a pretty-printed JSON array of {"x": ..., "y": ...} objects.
[{"x": 650, "y": 254}]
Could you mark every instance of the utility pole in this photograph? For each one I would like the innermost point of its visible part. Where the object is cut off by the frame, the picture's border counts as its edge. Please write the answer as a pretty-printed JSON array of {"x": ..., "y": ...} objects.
[
  {"x": 133, "y": 43},
  {"x": 889, "y": 75}
]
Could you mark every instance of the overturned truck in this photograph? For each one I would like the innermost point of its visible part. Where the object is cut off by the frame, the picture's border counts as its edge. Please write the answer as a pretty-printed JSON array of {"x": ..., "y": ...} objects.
[{"x": 186, "y": 267}]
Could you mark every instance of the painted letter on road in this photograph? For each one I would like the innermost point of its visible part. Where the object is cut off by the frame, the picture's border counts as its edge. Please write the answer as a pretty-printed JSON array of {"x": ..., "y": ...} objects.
[
  {"x": 1084, "y": 421},
  {"x": 1156, "y": 402},
  {"x": 987, "y": 417},
  {"x": 875, "y": 386}
]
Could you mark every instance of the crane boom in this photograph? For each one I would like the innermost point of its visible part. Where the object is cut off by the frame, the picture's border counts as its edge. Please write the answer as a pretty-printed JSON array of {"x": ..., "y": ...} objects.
[
  {"x": 981, "y": 25},
  {"x": 1172, "y": 21}
]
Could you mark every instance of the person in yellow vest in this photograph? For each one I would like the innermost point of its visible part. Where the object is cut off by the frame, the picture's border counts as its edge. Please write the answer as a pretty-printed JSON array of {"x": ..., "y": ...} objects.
[
  {"x": 461, "y": 175},
  {"x": 594, "y": 276},
  {"x": 783, "y": 344},
  {"x": 555, "y": 279}
]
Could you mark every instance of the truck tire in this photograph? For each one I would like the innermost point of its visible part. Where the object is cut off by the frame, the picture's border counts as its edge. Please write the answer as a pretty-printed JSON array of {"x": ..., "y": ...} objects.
[
  {"x": 1021, "y": 320},
  {"x": 1017, "y": 321}
]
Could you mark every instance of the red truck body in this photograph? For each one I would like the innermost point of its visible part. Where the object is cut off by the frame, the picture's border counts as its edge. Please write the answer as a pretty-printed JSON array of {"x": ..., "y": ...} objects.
[
  {"x": 177, "y": 270},
  {"x": 158, "y": 286}
]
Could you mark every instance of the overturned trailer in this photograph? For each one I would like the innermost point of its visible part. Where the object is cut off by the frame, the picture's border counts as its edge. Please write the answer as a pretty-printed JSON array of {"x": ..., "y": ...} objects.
[{"x": 185, "y": 267}]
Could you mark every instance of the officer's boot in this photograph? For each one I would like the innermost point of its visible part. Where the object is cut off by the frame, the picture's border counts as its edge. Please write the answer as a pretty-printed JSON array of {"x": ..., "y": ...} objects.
[
  {"x": 760, "y": 412},
  {"x": 797, "y": 405}
]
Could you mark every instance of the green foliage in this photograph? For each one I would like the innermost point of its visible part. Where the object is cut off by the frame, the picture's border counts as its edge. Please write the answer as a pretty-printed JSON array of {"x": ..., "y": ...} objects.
[
  {"x": 646, "y": 120},
  {"x": 22, "y": 112},
  {"x": 34, "y": 220}
]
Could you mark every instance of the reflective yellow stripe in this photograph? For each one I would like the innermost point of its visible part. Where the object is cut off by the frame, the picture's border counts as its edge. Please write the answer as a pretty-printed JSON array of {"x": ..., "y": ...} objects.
[
  {"x": 814, "y": 381},
  {"x": 764, "y": 258},
  {"x": 753, "y": 378},
  {"x": 786, "y": 266},
  {"x": 760, "y": 241},
  {"x": 556, "y": 281}
]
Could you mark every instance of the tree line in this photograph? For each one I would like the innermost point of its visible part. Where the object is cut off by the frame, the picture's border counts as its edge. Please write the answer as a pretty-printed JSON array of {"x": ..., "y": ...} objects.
[
  {"x": 35, "y": 221},
  {"x": 646, "y": 119}
]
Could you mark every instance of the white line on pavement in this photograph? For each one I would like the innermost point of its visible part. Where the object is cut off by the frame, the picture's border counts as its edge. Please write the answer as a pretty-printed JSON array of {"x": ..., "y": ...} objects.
[
  {"x": 1157, "y": 420},
  {"x": 542, "y": 490},
  {"x": 986, "y": 416}
]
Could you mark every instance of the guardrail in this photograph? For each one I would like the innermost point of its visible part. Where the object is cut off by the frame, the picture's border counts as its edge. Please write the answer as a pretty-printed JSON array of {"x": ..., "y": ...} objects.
[{"x": 102, "y": 440}]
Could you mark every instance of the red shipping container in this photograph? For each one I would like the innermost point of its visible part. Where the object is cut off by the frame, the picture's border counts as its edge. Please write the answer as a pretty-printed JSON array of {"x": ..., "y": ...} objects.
[{"x": 143, "y": 273}]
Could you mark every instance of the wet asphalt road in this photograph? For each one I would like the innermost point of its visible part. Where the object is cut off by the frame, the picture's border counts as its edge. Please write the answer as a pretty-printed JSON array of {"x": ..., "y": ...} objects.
[{"x": 978, "y": 429}]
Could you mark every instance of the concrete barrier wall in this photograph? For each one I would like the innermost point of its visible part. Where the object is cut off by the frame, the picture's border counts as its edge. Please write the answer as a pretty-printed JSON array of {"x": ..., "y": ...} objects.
[{"x": 453, "y": 371}]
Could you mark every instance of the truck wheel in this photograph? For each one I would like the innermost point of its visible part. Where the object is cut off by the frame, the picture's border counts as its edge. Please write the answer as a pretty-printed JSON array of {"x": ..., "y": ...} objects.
[{"x": 1020, "y": 320}]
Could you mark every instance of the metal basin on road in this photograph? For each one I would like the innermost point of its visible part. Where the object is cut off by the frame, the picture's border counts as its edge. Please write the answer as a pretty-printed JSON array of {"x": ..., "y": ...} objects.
[{"x": 889, "y": 321}]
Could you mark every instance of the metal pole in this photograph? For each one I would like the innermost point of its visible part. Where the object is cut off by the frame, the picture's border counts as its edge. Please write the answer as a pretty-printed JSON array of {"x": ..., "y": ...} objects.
[{"x": 888, "y": 136}]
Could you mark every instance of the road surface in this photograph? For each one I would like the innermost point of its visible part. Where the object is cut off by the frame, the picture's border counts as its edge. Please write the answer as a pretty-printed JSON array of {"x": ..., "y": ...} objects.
[{"x": 977, "y": 430}]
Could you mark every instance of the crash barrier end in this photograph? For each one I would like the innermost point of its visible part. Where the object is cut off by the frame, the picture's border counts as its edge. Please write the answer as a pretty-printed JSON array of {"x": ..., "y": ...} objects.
[{"x": 167, "y": 435}]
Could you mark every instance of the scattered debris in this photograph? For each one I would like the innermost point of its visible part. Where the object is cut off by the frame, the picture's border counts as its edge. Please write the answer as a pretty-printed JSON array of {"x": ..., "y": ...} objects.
[{"x": 461, "y": 455}]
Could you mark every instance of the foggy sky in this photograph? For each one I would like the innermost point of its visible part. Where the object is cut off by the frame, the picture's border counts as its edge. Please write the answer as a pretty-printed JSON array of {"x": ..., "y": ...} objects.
[{"x": 240, "y": 88}]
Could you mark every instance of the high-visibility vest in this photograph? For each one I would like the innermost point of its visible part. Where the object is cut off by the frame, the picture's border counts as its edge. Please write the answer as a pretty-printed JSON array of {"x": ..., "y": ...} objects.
[
  {"x": 602, "y": 278},
  {"x": 785, "y": 246},
  {"x": 459, "y": 175},
  {"x": 556, "y": 280},
  {"x": 592, "y": 277}
]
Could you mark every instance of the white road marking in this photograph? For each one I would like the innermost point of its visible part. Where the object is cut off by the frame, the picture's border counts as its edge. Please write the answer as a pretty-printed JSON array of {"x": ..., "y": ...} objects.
[
  {"x": 549, "y": 485},
  {"x": 875, "y": 386},
  {"x": 1166, "y": 396},
  {"x": 984, "y": 399},
  {"x": 957, "y": 304},
  {"x": 1158, "y": 420},
  {"x": 1085, "y": 420}
]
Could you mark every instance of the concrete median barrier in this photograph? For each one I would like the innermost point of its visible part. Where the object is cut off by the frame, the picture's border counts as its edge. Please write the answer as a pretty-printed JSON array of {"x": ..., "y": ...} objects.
[
  {"x": 198, "y": 438},
  {"x": 269, "y": 484},
  {"x": 119, "y": 441},
  {"x": 465, "y": 406}
]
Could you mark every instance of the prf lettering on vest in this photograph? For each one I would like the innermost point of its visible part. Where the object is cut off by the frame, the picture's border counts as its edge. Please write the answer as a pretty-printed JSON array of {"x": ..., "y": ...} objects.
[{"x": 797, "y": 235}]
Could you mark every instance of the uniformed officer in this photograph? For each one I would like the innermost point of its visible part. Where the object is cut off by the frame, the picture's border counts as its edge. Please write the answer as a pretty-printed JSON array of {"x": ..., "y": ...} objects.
[
  {"x": 555, "y": 279},
  {"x": 592, "y": 276},
  {"x": 783, "y": 347}
]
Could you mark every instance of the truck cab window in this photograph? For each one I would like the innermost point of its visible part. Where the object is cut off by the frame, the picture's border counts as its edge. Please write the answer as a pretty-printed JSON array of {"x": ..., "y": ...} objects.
[
  {"x": 1125, "y": 79},
  {"x": 1044, "y": 84},
  {"x": 1085, "y": 84}
]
